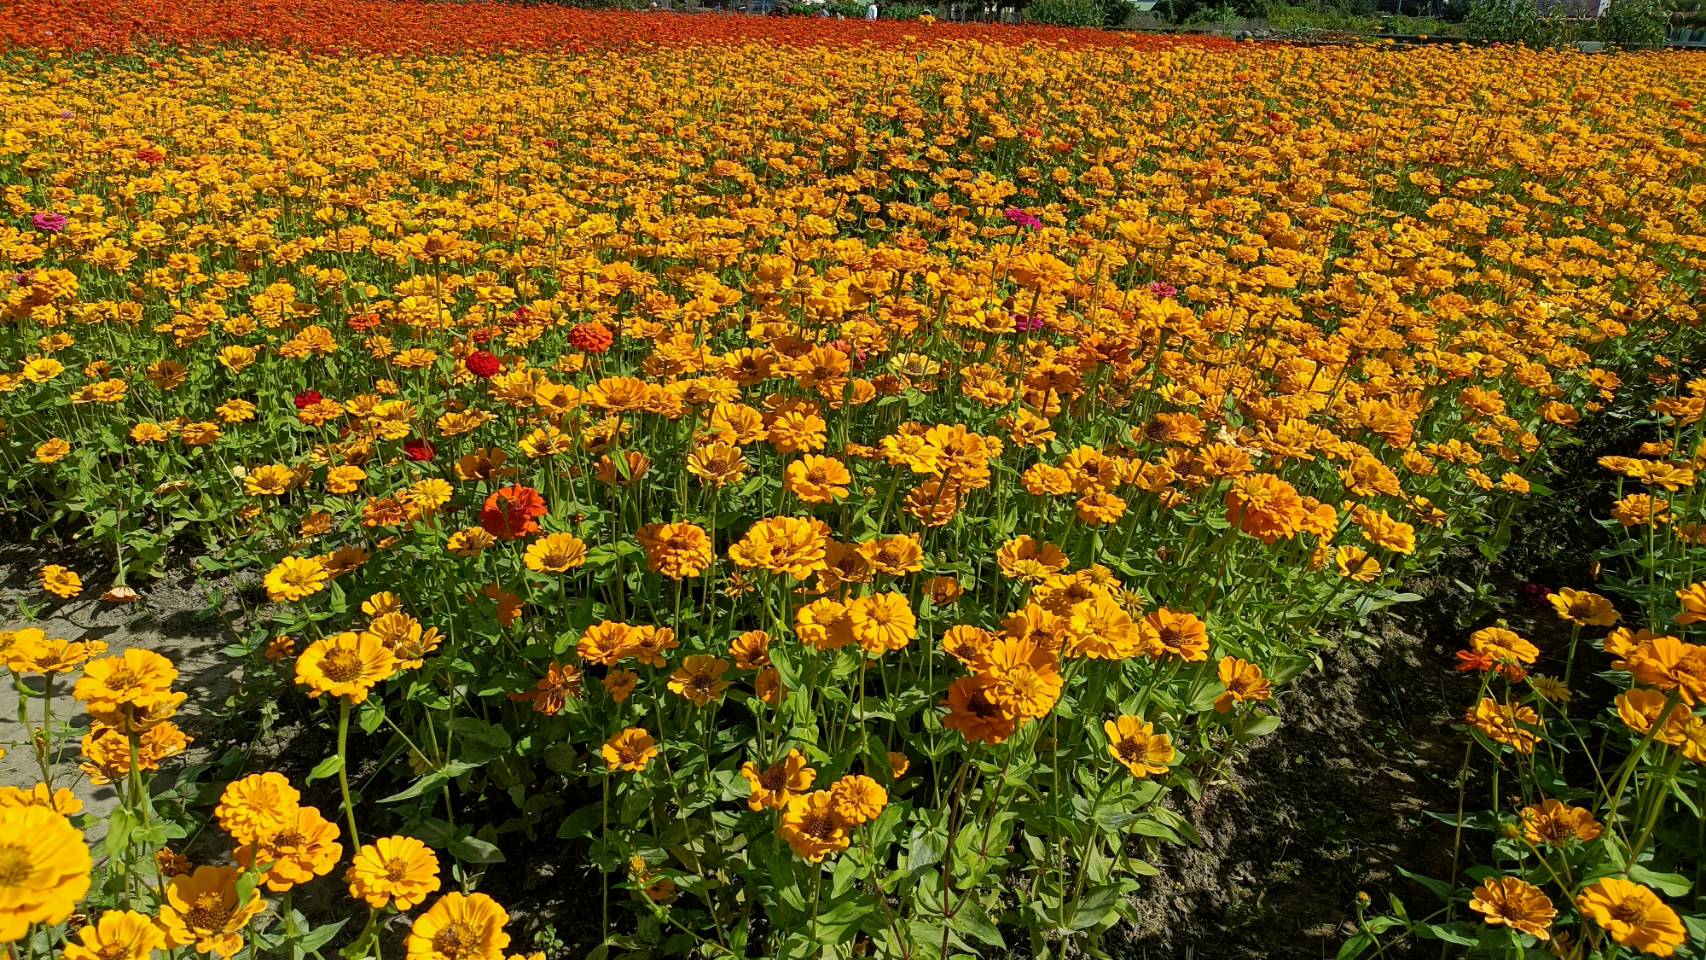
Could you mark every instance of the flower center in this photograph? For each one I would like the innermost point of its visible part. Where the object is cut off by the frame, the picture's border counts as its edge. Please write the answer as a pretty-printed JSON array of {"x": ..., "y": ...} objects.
[
  {"x": 15, "y": 866},
  {"x": 342, "y": 666},
  {"x": 122, "y": 678},
  {"x": 456, "y": 940},
  {"x": 208, "y": 912},
  {"x": 1629, "y": 911}
]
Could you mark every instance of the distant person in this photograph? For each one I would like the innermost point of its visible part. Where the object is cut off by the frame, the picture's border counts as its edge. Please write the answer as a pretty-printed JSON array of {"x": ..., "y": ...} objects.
[{"x": 871, "y": 11}]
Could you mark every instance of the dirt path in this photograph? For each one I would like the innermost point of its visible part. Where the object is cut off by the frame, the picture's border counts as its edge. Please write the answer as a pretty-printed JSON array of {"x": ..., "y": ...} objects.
[{"x": 175, "y": 617}]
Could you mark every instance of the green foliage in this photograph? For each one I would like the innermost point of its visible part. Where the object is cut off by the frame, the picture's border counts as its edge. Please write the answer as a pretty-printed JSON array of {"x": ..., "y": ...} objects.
[
  {"x": 1225, "y": 13},
  {"x": 902, "y": 11},
  {"x": 1635, "y": 23},
  {"x": 1285, "y": 18},
  {"x": 1065, "y": 13},
  {"x": 1513, "y": 21}
]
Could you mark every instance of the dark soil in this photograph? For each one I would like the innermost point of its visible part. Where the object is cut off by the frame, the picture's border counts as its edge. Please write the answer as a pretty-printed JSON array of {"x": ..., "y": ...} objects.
[
  {"x": 1336, "y": 800},
  {"x": 1324, "y": 808}
]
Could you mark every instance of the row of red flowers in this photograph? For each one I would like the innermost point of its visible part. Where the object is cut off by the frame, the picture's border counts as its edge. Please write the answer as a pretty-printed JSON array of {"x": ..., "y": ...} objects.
[{"x": 402, "y": 26}]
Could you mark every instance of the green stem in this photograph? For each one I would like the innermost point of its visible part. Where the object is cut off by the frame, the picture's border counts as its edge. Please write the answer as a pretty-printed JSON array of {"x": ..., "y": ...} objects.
[{"x": 343, "y": 770}]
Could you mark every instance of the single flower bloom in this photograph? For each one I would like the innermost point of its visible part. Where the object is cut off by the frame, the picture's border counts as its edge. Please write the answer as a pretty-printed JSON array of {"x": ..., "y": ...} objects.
[
  {"x": 699, "y": 679},
  {"x": 631, "y": 750},
  {"x": 304, "y": 847},
  {"x": 556, "y": 553},
  {"x": 483, "y": 364},
  {"x": 44, "y": 869},
  {"x": 296, "y": 578},
  {"x": 1179, "y": 634},
  {"x": 459, "y": 927},
  {"x": 812, "y": 828},
  {"x": 256, "y": 805},
  {"x": 975, "y": 714},
  {"x": 203, "y": 910},
  {"x": 512, "y": 512},
  {"x": 677, "y": 550},
  {"x": 1244, "y": 683},
  {"x": 882, "y": 623},
  {"x": 1514, "y": 725},
  {"x": 591, "y": 337},
  {"x": 1020, "y": 218},
  {"x": 1134, "y": 742},
  {"x": 857, "y": 799},
  {"x": 1514, "y": 902},
  {"x": 346, "y": 665},
  {"x": 117, "y": 935},
  {"x": 393, "y": 871},
  {"x": 781, "y": 545},
  {"x": 898, "y": 764},
  {"x": 1633, "y": 915},
  {"x": 1504, "y": 646},
  {"x": 1583, "y": 608},
  {"x": 135, "y": 678},
  {"x": 1556, "y": 824},
  {"x": 61, "y": 801},
  {"x": 60, "y": 581},
  {"x": 774, "y": 786},
  {"x": 751, "y": 650}
]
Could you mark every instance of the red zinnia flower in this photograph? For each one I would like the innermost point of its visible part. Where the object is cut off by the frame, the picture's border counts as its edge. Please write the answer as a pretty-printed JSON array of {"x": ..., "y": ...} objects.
[
  {"x": 511, "y": 513},
  {"x": 307, "y": 398},
  {"x": 1474, "y": 661},
  {"x": 483, "y": 364},
  {"x": 591, "y": 337},
  {"x": 363, "y": 322},
  {"x": 419, "y": 450}
]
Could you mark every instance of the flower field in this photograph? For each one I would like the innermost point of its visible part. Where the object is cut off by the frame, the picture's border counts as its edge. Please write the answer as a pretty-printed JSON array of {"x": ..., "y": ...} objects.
[{"x": 840, "y": 487}]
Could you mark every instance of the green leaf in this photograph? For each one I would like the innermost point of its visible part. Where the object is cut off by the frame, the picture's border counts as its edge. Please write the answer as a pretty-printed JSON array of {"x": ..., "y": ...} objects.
[
  {"x": 972, "y": 921},
  {"x": 924, "y": 848},
  {"x": 1354, "y": 947},
  {"x": 118, "y": 833},
  {"x": 326, "y": 768},
  {"x": 1669, "y": 884},
  {"x": 1096, "y": 908},
  {"x": 1260, "y": 728},
  {"x": 1459, "y": 933},
  {"x": 1438, "y": 888},
  {"x": 581, "y": 823},
  {"x": 318, "y": 937},
  {"x": 371, "y": 716},
  {"x": 475, "y": 850},
  {"x": 246, "y": 883}
]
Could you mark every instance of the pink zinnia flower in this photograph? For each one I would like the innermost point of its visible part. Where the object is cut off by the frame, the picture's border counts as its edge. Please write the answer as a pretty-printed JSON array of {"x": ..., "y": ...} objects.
[
  {"x": 1020, "y": 218},
  {"x": 49, "y": 222}
]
